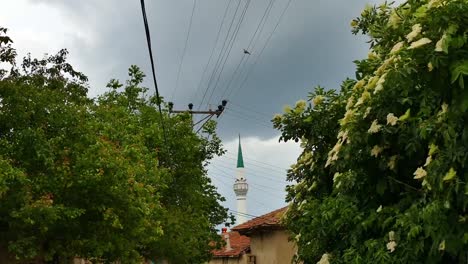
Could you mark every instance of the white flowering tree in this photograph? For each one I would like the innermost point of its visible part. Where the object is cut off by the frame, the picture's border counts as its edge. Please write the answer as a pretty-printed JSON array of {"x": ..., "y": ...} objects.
[{"x": 383, "y": 174}]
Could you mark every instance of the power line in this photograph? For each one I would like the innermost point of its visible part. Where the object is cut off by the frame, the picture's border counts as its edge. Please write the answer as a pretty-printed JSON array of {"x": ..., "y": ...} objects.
[
  {"x": 250, "y": 109},
  {"x": 148, "y": 41},
  {"x": 249, "y": 116},
  {"x": 212, "y": 50},
  {"x": 219, "y": 55},
  {"x": 249, "y": 121},
  {"x": 185, "y": 49},
  {"x": 258, "y": 166},
  {"x": 225, "y": 175},
  {"x": 261, "y": 25},
  {"x": 242, "y": 214},
  {"x": 261, "y": 162},
  {"x": 230, "y": 48},
  {"x": 260, "y": 173},
  {"x": 263, "y": 49},
  {"x": 246, "y": 118},
  {"x": 250, "y": 215},
  {"x": 264, "y": 19}
]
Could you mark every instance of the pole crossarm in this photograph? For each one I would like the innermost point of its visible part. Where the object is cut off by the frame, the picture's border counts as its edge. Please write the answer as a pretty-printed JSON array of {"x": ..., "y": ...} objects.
[
  {"x": 210, "y": 113},
  {"x": 190, "y": 110}
]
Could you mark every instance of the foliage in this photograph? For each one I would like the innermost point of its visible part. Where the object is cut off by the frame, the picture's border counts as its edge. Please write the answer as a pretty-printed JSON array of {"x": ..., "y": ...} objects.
[
  {"x": 383, "y": 174},
  {"x": 99, "y": 179}
]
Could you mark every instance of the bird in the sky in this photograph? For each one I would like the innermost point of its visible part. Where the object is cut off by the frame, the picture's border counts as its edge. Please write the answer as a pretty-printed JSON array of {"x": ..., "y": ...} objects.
[{"x": 246, "y": 52}]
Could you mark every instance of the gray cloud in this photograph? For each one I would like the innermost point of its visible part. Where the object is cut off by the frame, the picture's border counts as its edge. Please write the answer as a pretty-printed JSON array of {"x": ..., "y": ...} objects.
[{"x": 312, "y": 46}]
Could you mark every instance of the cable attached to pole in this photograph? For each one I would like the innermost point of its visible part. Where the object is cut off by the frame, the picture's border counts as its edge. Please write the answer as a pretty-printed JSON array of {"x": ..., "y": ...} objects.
[{"x": 148, "y": 40}]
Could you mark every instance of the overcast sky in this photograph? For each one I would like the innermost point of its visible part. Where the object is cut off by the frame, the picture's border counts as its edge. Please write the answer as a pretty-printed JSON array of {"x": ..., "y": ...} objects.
[{"x": 311, "y": 46}]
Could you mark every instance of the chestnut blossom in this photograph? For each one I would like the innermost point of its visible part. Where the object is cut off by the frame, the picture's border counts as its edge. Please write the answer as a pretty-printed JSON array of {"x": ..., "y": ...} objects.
[
  {"x": 392, "y": 162},
  {"x": 379, "y": 209},
  {"x": 324, "y": 259},
  {"x": 416, "y": 30},
  {"x": 350, "y": 103},
  {"x": 397, "y": 47},
  {"x": 394, "y": 20},
  {"x": 301, "y": 105},
  {"x": 376, "y": 150},
  {"x": 419, "y": 173},
  {"x": 430, "y": 67},
  {"x": 318, "y": 99},
  {"x": 419, "y": 43},
  {"x": 380, "y": 83},
  {"x": 391, "y": 245},
  {"x": 428, "y": 161},
  {"x": 359, "y": 85},
  {"x": 374, "y": 128},
  {"x": 368, "y": 109},
  {"x": 391, "y": 119}
]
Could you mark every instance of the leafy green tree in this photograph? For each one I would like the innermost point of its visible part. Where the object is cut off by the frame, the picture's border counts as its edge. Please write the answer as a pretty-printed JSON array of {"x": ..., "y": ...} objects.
[
  {"x": 99, "y": 179},
  {"x": 383, "y": 175}
]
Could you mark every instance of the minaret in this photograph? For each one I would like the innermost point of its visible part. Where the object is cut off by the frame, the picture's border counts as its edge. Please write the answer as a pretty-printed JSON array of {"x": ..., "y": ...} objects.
[{"x": 241, "y": 188}]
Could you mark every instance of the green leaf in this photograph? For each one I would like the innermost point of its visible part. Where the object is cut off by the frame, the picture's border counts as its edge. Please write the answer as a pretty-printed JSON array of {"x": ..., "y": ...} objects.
[
  {"x": 458, "y": 70},
  {"x": 421, "y": 12},
  {"x": 433, "y": 149},
  {"x": 405, "y": 116},
  {"x": 450, "y": 175}
]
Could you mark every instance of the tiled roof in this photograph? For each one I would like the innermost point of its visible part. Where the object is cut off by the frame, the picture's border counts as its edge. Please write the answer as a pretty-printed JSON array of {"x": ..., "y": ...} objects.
[
  {"x": 270, "y": 220},
  {"x": 239, "y": 244}
]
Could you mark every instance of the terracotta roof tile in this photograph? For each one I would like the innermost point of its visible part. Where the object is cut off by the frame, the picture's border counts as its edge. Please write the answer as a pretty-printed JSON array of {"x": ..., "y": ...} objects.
[
  {"x": 239, "y": 245},
  {"x": 270, "y": 220}
]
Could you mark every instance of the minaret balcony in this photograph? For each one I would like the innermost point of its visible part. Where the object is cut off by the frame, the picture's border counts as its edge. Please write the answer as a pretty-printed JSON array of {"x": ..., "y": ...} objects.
[{"x": 241, "y": 187}]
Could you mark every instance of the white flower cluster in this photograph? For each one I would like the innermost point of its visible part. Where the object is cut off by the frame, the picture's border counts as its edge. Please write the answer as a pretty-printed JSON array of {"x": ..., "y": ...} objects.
[
  {"x": 333, "y": 154},
  {"x": 416, "y": 30},
  {"x": 436, "y": 3},
  {"x": 376, "y": 150},
  {"x": 420, "y": 173},
  {"x": 318, "y": 100},
  {"x": 391, "y": 245},
  {"x": 375, "y": 127},
  {"x": 324, "y": 259},
  {"x": 301, "y": 106}
]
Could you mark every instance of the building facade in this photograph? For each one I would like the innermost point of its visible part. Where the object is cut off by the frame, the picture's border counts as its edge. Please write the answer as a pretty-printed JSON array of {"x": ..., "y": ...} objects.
[{"x": 269, "y": 240}]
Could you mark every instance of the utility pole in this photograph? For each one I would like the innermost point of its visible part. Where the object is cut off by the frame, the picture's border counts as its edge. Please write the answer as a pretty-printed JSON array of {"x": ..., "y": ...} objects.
[{"x": 209, "y": 113}]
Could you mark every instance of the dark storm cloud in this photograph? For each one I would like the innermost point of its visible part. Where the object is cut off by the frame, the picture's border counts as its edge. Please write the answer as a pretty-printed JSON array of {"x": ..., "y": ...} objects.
[{"x": 312, "y": 46}]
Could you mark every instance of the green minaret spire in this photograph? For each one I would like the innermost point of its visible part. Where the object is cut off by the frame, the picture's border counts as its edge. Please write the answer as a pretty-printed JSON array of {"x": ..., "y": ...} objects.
[{"x": 240, "y": 160}]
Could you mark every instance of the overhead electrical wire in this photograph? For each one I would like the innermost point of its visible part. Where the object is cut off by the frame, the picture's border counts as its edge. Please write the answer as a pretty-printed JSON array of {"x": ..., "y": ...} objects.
[
  {"x": 230, "y": 113},
  {"x": 262, "y": 50},
  {"x": 230, "y": 43},
  {"x": 249, "y": 109},
  {"x": 225, "y": 165},
  {"x": 225, "y": 175},
  {"x": 213, "y": 49},
  {"x": 250, "y": 116},
  {"x": 261, "y": 25},
  {"x": 219, "y": 55},
  {"x": 278, "y": 168},
  {"x": 185, "y": 49},
  {"x": 230, "y": 48},
  {"x": 148, "y": 41},
  {"x": 257, "y": 173},
  {"x": 250, "y": 215},
  {"x": 257, "y": 166}
]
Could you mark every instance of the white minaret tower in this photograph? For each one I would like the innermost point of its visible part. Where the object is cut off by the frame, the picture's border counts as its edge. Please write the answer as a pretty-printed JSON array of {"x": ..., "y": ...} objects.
[{"x": 241, "y": 188}]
